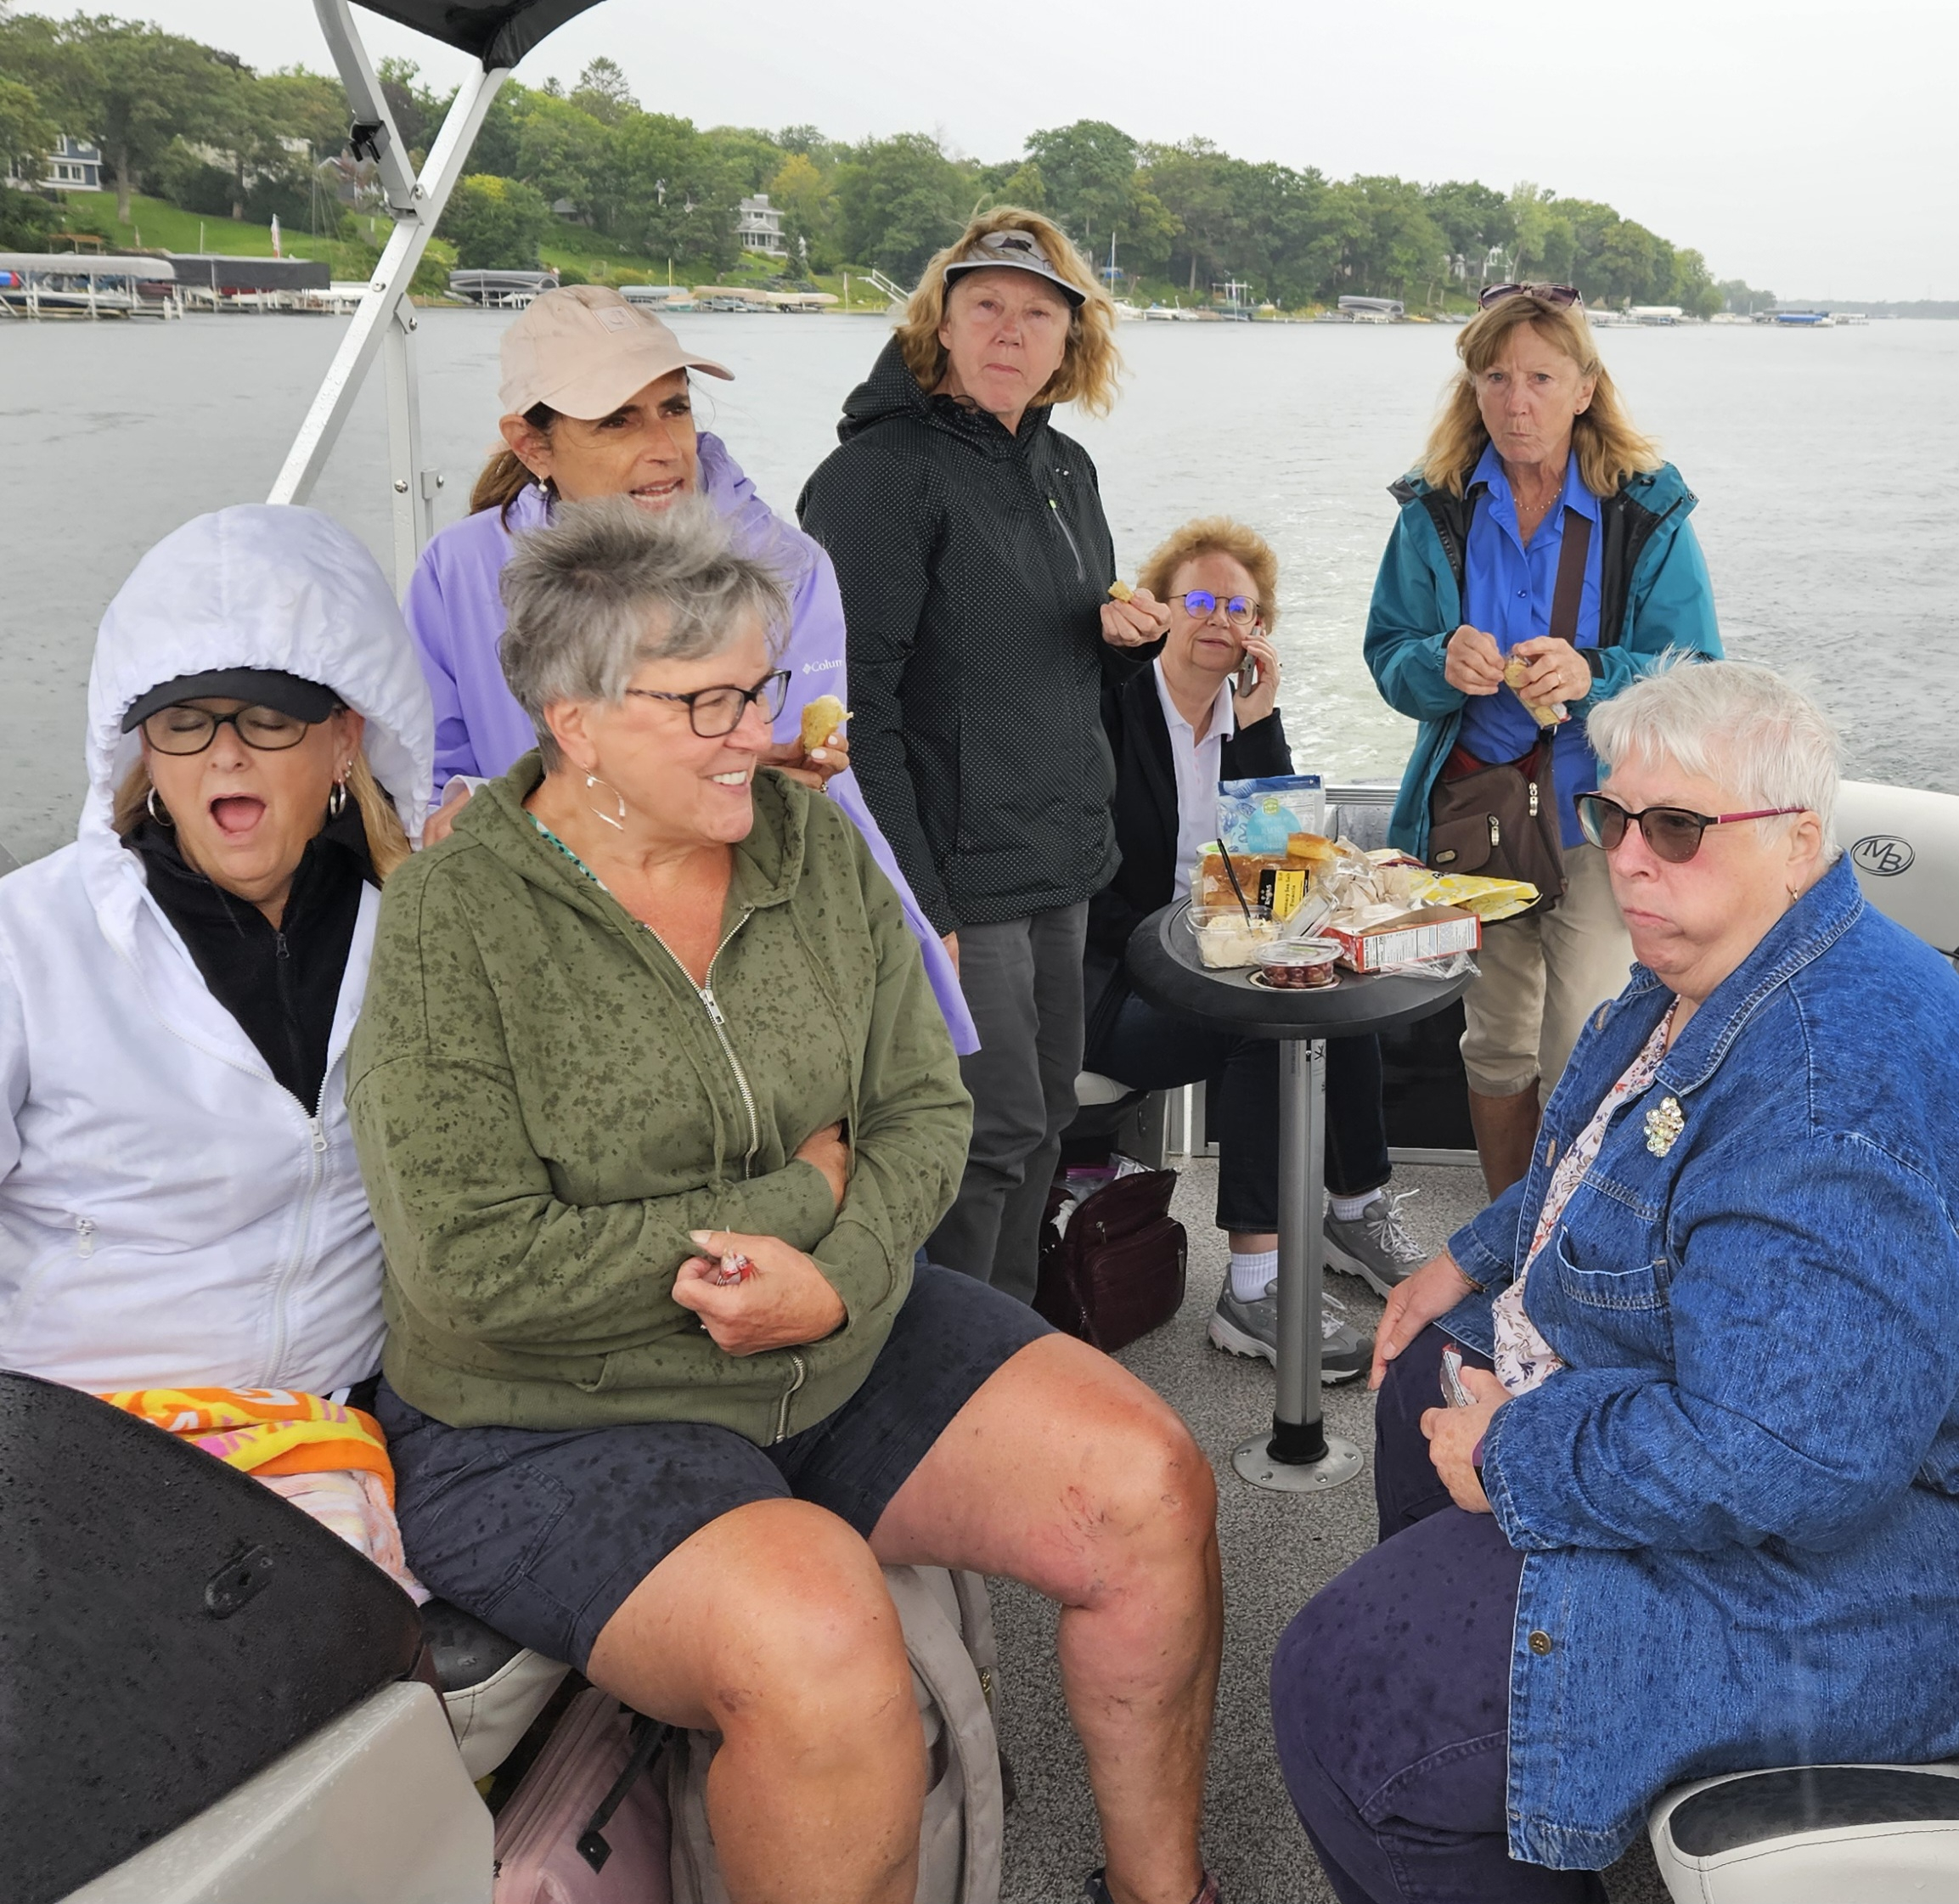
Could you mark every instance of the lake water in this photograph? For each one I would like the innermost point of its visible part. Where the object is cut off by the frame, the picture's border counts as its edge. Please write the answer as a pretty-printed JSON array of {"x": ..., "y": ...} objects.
[{"x": 1826, "y": 463}]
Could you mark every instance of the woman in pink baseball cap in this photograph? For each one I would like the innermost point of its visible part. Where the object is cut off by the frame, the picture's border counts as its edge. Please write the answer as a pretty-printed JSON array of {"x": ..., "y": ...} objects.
[{"x": 598, "y": 401}]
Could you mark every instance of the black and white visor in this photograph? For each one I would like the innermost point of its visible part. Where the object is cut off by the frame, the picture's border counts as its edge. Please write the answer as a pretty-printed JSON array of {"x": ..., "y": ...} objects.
[{"x": 1013, "y": 250}]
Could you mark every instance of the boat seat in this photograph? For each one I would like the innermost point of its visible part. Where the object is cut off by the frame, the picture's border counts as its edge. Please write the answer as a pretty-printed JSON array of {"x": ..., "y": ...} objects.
[
  {"x": 1812, "y": 1834},
  {"x": 1091, "y": 1087},
  {"x": 491, "y": 1687}
]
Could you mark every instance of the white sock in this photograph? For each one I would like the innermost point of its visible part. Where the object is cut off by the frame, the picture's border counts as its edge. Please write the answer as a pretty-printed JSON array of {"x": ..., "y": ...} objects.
[
  {"x": 1250, "y": 1273},
  {"x": 1348, "y": 1209}
]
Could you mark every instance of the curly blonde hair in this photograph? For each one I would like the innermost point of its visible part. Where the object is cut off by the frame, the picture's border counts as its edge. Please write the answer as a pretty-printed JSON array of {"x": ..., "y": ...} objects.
[
  {"x": 1090, "y": 366},
  {"x": 1216, "y": 535},
  {"x": 1610, "y": 450}
]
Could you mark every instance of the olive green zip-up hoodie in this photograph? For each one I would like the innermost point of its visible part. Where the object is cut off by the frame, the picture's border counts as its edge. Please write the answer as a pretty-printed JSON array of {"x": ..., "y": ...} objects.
[{"x": 545, "y": 1105}]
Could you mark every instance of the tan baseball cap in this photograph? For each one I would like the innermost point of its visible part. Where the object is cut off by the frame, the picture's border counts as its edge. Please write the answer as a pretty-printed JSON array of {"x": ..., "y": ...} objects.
[{"x": 584, "y": 350}]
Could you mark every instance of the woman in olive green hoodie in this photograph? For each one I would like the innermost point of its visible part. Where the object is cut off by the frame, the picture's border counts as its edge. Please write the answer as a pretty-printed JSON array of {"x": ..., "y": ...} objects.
[{"x": 654, "y": 1106}]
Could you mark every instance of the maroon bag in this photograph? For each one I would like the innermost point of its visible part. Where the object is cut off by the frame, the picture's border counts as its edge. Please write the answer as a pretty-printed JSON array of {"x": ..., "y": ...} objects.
[{"x": 1116, "y": 1271}]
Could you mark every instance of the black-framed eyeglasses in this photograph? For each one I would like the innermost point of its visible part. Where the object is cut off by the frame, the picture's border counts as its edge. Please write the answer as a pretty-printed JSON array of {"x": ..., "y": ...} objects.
[
  {"x": 1563, "y": 295},
  {"x": 713, "y": 711},
  {"x": 1673, "y": 832},
  {"x": 1240, "y": 611},
  {"x": 185, "y": 730}
]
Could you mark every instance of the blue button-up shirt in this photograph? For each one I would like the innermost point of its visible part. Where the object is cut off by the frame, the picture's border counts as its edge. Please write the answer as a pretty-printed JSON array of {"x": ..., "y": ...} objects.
[{"x": 1506, "y": 591}]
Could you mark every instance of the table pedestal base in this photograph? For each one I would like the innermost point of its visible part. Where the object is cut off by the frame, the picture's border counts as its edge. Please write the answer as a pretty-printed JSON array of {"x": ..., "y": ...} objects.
[{"x": 1340, "y": 1464}]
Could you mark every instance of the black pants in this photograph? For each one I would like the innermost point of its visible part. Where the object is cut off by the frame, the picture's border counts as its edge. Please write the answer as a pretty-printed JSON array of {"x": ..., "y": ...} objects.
[{"x": 1149, "y": 1050}]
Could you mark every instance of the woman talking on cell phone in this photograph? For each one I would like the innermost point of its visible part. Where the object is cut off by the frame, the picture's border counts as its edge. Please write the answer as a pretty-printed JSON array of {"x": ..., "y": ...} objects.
[
  {"x": 974, "y": 562},
  {"x": 1542, "y": 562}
]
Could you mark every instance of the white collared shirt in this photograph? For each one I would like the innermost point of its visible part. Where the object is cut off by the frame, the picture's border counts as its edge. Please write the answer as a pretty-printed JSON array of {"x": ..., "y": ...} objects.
[{"x": 1196, "y": 765}]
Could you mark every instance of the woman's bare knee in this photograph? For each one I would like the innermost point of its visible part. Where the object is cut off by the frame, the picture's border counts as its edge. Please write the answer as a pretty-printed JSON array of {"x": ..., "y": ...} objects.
[
  {"x": 774, "y": 1617},
  {"x": 1144, "y": 1501}
]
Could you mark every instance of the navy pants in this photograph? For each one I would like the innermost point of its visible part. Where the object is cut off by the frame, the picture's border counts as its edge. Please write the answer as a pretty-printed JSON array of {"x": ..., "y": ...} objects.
[
  {"x": 1391, "y": 1690},
  {"x": 1149, "y": 1050}
]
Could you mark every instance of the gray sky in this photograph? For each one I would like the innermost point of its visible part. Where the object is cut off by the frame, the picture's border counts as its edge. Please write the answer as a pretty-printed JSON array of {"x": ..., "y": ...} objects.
[{"x": 1808, "y": 147}]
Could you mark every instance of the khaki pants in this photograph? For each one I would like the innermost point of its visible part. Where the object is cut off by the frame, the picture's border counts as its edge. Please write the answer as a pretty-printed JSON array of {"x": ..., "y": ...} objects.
[{"x": 1543, "y": 975}]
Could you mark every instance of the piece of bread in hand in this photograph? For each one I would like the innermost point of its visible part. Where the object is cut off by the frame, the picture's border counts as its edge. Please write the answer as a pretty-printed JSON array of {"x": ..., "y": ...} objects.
[
  {"x": 1119, "y": 590},
  {"x": 821, "y": 718},
  {"x": 1548, "y": 715}
]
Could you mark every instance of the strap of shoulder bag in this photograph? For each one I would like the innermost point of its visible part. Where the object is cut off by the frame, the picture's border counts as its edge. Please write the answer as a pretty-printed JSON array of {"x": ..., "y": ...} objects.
[{"x": 1569, "y": 590}]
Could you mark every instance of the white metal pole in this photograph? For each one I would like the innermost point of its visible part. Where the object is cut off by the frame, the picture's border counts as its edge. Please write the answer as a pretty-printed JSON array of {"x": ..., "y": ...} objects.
[{"x": 416, "y": 205}]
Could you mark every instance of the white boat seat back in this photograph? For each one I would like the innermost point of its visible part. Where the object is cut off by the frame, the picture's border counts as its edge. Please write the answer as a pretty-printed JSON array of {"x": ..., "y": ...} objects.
[
  {"x": 1091, "y": 1087},
  {"x": 491, "y": 1687},
  {"x": 1904, "y": 845},
  {"x": 1812, "y": 1834}
]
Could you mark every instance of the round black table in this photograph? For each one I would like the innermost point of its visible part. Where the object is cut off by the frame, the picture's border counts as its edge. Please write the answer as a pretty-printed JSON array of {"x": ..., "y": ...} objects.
[{"x": 1298, "y": 1456}]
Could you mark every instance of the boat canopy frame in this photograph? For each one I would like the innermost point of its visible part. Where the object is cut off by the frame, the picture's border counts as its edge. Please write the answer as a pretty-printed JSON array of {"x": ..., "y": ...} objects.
[{"x": 496, "y": 33}]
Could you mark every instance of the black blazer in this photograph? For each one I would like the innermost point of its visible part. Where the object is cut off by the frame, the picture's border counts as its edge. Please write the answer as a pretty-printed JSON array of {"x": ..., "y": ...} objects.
[{"x": 1145, "y": 807}]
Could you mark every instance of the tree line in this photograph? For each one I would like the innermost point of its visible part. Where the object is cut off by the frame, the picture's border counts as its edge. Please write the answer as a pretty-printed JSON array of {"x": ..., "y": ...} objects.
[{"x": 196, "y": 126}]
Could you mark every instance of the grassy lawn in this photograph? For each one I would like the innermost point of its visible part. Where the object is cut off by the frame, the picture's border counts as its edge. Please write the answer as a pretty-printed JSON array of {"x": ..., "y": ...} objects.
[{"x": 160, "y": 226}]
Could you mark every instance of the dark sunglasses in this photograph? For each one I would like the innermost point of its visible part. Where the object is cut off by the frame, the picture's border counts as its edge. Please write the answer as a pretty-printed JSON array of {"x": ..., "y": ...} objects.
[
  {"x": 713, "y": 711},
  {"x": 1561, "y": 294},
  {"x": 1240, "y": 611},
  {"x": 1673, "y": 832},
  {"x": 185, "y": 730}
]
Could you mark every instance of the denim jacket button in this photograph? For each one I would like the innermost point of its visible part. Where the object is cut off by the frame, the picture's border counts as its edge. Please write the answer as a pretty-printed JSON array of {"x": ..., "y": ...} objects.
[{"x": 1539, "y": 1642}]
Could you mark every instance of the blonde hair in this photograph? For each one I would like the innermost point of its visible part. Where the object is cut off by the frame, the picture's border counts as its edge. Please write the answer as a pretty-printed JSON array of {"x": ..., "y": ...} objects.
[
  {"x": 1610, "y": 450},
  {"x": 1091, "y": 364},
  {"x": 387, "y": 843},
  {"x": 1216, "y": 535}
]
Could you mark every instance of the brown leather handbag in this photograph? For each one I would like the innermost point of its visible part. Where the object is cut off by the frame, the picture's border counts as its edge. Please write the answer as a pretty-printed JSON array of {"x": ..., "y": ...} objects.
[{"x": 1500, "y": 822}]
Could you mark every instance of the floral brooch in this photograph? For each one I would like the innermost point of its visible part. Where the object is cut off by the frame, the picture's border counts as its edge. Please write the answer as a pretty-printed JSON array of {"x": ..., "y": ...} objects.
[{"x": 1664, "y": 1123}]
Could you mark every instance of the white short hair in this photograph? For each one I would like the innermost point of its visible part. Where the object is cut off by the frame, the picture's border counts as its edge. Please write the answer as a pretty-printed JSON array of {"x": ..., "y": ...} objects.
[{"x": 1735, "y": 723}]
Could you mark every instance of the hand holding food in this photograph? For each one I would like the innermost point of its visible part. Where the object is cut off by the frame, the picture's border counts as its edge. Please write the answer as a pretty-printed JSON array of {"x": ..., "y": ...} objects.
[
  {"x": 1516, "y": 672},
  {"x": 1557, "y": 670},
  {"x": 821, "y": 718},
  {"x": 1133, "y": 617}
]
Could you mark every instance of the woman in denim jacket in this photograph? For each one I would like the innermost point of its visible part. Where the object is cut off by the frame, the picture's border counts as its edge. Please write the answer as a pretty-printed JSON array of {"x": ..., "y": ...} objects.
[{"x": 1654, "y": 1543}]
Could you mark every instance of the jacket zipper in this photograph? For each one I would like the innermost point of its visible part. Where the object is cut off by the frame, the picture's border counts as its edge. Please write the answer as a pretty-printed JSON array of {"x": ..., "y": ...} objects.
[
  {"x": 720, "y": 1024},
  {"x": 788, "y": 1396},
  {"x": 1067, "y": 535},
  {"x": 85, "y": 1236},
  {"x": 316, "y": 1128}
]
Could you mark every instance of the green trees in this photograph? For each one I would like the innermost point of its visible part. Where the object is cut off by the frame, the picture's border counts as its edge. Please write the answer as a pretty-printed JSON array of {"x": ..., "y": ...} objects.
[
  {"x": 495, "y": 224},
  {"x": 899, "y": 200}
]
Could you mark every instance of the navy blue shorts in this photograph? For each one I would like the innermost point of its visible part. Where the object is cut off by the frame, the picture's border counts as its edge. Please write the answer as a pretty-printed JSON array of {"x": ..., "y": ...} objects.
[{"x": 544, "y": 1532}]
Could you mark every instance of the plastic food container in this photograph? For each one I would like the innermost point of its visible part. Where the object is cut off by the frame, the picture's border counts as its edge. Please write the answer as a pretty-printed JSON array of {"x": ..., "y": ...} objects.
[
  {"x": 1299, "y": 965},
  {"x": 1227, "y": 939}
]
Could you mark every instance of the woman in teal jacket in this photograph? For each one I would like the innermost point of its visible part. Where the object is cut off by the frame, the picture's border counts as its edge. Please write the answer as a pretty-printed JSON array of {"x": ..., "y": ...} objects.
[{"x": 1533, "y": 446}]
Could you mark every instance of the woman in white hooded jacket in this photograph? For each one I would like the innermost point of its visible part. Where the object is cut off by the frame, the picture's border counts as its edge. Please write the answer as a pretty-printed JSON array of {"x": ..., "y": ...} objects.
[{"x": 182, "y": 1227}]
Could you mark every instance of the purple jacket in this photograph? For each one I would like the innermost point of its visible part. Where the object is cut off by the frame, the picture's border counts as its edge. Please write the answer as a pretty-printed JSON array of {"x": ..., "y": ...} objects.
[{"x": 456, "y": 616}]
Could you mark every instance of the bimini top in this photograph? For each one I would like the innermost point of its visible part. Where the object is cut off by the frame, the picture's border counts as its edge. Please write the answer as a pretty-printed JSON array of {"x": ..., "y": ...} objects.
[{"x": 498, "y": 32}]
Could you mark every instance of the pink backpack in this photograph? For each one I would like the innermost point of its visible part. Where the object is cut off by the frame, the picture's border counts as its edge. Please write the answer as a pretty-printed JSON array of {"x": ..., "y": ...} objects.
[{"x": 588, "y": 1824}]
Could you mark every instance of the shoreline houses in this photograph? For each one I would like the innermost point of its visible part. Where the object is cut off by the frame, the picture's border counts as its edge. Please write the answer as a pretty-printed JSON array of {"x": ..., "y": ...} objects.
[
  {"x": 73, "y": 166},
  {"x": 758, "y": 227}
]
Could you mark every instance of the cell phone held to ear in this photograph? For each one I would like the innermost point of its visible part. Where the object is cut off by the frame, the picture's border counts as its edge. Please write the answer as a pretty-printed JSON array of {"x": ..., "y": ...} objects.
[{"x": 1248, "y": 674}]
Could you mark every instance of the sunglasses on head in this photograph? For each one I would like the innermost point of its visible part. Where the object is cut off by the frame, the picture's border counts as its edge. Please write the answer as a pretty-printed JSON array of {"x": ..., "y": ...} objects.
[
  {"x": 1240, "y": 611},
  {"x": 1674, "y": 833},
  {"x": 1561, "y": 294}
]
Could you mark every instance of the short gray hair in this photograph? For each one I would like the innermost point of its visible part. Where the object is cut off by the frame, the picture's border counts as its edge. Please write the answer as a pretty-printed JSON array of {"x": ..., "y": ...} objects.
[
  {"x": 608, "y": 586},
  {"x": 1734, "y": 721}
]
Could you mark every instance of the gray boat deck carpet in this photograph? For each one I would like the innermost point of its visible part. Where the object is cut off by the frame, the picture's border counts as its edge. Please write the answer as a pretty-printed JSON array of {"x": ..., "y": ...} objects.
[{"x": 1278, "y": 1551}]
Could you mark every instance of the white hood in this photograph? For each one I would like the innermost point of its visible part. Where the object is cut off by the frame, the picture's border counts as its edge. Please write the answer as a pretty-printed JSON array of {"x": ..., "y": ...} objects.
[{"x": 262, "y": 585}]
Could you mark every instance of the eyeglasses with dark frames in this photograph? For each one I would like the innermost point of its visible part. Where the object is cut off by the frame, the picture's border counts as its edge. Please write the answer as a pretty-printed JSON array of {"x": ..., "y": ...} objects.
[
  {"x": 1563, "y": 295},
  {"x": 714, "y": 712},
  {"x": 1240, "y": 611},
  {"x": 187, "y": 729},
  {"x": 1673, "y": 832}
]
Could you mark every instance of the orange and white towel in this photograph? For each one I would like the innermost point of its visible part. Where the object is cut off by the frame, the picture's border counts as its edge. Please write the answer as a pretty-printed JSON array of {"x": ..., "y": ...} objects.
[{"x": 327, "y": 1459}]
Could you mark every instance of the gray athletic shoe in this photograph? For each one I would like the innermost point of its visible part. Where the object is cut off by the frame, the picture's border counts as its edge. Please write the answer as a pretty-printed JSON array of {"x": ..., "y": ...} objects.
[
  {"x": 1253, "y": 1329},
  {"x": 1376, "y": 1245}
]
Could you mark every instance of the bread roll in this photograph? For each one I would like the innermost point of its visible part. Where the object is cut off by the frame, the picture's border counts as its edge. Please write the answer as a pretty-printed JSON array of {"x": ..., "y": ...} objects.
[
  {"x": 1315, "y": 849},
  {"x": 1119, "y": 590},
  {"x": 821, "y": 718}
]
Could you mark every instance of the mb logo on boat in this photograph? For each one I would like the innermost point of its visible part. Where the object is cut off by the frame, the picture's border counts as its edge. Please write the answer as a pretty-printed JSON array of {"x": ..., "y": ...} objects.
[{"x": 1882, "y": 855}]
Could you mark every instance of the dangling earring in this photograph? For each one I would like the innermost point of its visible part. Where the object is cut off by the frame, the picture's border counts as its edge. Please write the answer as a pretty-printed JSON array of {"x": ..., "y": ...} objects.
[
  {"x": 618, "y": 824},
  {"x": 159, "y": 814},
  {"x": 337, "y": 800}
]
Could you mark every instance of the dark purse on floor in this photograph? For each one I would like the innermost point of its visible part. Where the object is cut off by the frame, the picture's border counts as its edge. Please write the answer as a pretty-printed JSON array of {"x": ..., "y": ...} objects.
[
  {"x": 1500, "y": 822},
  {"x": 1116, "y": 1271}
]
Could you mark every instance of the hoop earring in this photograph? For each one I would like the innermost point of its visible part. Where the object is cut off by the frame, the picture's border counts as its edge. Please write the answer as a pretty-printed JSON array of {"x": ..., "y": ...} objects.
[
  {"x": 159, "y": 814},
  {"x": 337, "y": 800},
  {"x": 618, "y": 824}
]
